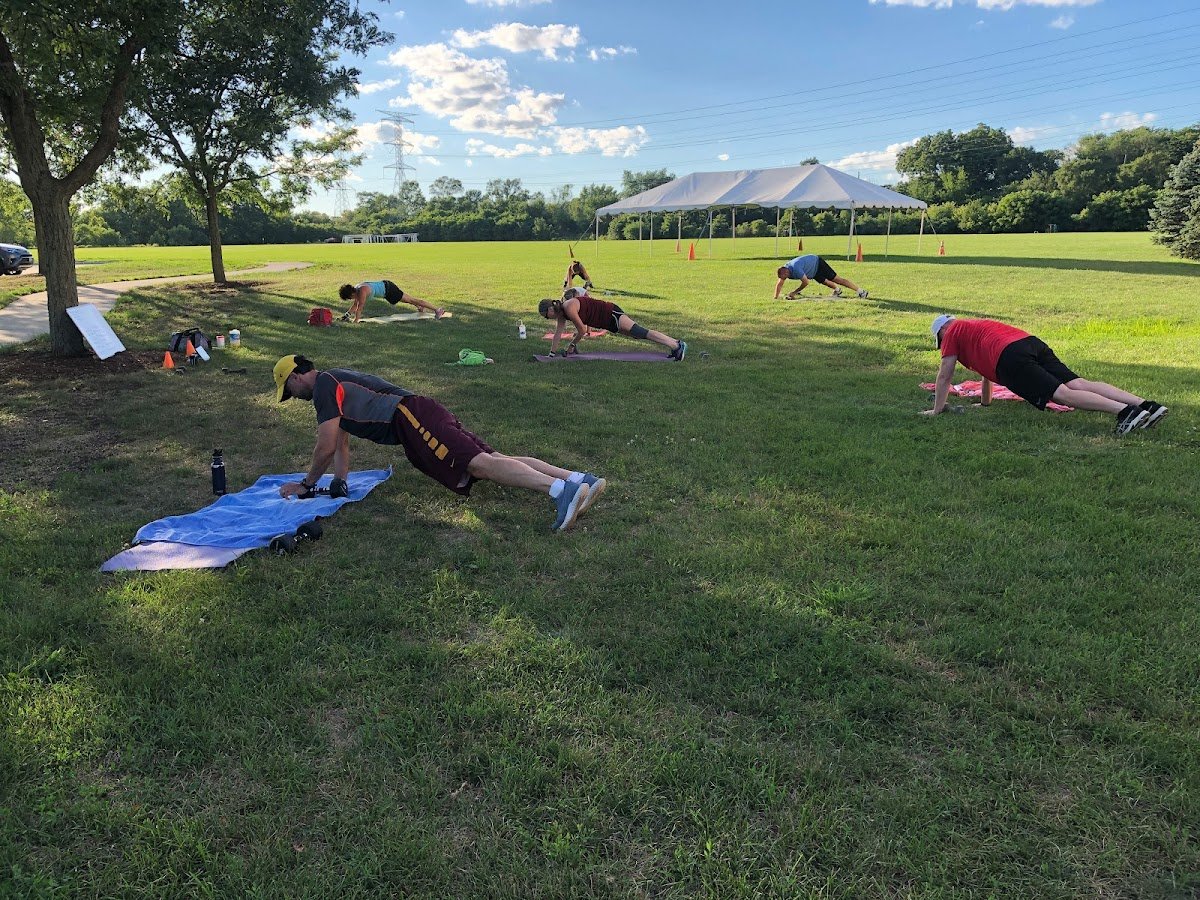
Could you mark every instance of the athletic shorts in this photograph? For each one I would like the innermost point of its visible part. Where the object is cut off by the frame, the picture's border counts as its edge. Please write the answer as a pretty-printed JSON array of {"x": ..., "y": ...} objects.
[
  {"x": 1030, "y": 370},
  {"x": 824, "y": 272},
  {"x": 614, "y": 325},
  {"x": 436, "y": 443},
  {"x": 392, "y": 294}
]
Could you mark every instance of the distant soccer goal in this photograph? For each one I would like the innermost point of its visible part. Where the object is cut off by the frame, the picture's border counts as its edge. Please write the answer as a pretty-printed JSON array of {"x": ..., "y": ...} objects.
[{"x": 409, "y": 238}]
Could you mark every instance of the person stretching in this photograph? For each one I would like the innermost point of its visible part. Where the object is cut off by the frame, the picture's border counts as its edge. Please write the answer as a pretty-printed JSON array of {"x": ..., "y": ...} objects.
[
  {"x": 813, "y": 268},
  {"x": 584, "y": 311},
  {"x": 1024, "y": 364},
  {"x": 386, "y": 290},
  {"x": 576, "y": 270},
  {"x": 366, "y": 406}
]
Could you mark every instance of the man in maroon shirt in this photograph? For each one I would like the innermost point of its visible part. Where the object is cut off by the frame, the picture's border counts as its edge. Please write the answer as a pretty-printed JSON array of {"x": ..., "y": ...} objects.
[
  {"x": 354, "y": 403},
  {"x": 584, "y": 311},
  {"x": 1005, "y": 355}
]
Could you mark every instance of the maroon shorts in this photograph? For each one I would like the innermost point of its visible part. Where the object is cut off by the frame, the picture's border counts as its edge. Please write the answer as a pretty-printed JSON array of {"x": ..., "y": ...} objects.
[{"x": 436, "y": 443}]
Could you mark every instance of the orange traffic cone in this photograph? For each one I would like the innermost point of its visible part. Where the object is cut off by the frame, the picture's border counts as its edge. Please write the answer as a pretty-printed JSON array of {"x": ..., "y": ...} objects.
[
  {"x": 800, "y": 246},
  {"x": 189, "y": 350},
  {"x": 858, "y": 256},
  {"x": 168, "y": 363},
  {"x": 942, "y": 249},
  {"x": 691, "y": 251}
]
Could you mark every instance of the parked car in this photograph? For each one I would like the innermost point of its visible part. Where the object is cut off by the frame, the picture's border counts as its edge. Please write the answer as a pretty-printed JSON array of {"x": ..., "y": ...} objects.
[{"x": 14, "y": 259}]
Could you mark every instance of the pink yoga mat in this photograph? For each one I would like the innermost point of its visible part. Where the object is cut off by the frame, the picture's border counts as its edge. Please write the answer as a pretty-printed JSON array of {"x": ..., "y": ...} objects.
[
  {"x": 630, "y": 356},
  {"x": 999, "y": 392},
  {"x": 549, "y": 335}
]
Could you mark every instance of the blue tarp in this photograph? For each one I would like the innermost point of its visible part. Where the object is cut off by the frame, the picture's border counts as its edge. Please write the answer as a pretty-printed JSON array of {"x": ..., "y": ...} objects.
[{"x": 251, "y": 517}]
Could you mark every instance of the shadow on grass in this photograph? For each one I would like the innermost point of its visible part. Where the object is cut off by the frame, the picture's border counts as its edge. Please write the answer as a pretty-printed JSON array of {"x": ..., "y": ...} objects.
[{"x": 1124, "y": 267}]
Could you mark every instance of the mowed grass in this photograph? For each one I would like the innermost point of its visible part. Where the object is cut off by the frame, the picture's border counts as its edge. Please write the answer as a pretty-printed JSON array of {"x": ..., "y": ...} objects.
[{"x": 808, "y": 644}]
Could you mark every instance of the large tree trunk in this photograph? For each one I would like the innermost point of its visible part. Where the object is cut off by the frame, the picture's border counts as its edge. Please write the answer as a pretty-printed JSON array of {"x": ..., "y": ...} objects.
[
  {"x": 56, "y": 260},
  {"x": 214, "y": 237}
]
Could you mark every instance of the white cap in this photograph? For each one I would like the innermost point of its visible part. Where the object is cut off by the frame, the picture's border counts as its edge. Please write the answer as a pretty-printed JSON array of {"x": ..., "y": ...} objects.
[{"x": 938, "y": 323}]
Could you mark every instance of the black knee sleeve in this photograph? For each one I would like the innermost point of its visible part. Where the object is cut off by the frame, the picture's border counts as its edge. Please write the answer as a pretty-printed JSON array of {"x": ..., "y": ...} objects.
[{"x": 638, "y": 331}]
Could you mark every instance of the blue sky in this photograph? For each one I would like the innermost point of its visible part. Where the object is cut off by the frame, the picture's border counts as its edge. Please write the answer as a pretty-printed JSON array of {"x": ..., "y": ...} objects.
[{"x": 558, "y": 92}]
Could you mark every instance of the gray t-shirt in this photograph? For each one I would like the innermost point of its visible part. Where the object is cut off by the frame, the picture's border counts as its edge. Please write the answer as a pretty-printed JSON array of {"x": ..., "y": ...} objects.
[{"x": 365, "y": 403}]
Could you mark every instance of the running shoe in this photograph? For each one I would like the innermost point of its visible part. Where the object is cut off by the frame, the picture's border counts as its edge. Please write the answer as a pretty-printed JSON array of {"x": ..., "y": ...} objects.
[
  {"x": 1156, "y": 412},
  {"x": 596, "y": 486},
  {"x": 678, "y": 353},
  {"x": 837, "y": 292},
  {"x": 568, "y": 503},
  {"x": 863, "y": 294},
  {"x": 1130, "y": 418}
]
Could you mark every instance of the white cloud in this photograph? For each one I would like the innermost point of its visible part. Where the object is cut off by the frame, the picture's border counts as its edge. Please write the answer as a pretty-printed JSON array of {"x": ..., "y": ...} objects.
[
  {"x": 475, "y": 94},
  {"x": 506, "y": 3},
  {"x": 369, "y": 135},
  {"x": 399, "y": 14},
  {"x": 1063, "y": 22},
  {"x": 518, "y": 38},
  {"x": 476, "y": 147},
  {"x": 621, "y": 141},
  {"x": 373, "y": 87},
  {"x": 596, "y": 54},
  {"x": 986, "y": 4},
  {"x": 873, "y": 160},
  {"x": 723, "y": 157},
  {"x": 1121, "y": 121},
  {"x": 1027, "y": 134}
]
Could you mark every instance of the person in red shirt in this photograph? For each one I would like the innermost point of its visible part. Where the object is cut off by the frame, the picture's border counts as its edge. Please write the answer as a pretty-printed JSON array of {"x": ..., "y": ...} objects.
[
  {"x": 584, "y": 311},
  {"x": 1023, "y": 363}
]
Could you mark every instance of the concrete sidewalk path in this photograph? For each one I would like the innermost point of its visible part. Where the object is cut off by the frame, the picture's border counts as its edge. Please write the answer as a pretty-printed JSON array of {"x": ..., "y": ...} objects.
[{"x": 27, "y": 317}]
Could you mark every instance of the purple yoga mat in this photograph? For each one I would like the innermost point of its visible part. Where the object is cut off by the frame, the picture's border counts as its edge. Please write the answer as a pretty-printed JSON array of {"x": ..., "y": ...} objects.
[
  {"x": 629, "y": 356},
  {"x": 154, "y": 556}
]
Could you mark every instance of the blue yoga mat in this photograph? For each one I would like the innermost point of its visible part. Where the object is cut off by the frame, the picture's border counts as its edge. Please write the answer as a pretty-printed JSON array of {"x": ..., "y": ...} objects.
[{"x": 251, "y": 517}]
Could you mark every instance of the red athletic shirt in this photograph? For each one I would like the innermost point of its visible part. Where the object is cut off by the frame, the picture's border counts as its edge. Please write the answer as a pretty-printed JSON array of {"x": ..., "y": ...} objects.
[
  {"x": 595, "y": 313},
  {"x": 978, "y": 343}
]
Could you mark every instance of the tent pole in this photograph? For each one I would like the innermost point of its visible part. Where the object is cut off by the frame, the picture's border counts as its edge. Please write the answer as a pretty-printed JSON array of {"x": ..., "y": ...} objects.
[
  {"x": 651, "y": 233},
  {"x": 850, "y": 239},
  {"x": 733, "y": 227},
  {"x": 597, "y": 233},
  {"x": 710, "y": 234},
  {"x": 921, "y": 234},
  {"x": 679, "y": 238},
  {"x": 641, "y": 220},
  {"x": 777, "y": 231},
  {"x": 887, "y": 240}
]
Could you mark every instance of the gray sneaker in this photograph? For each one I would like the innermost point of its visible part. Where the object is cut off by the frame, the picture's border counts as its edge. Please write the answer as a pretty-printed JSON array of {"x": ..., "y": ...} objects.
[
  {"x": 568, "y": 504},
  {"x": 596, "y": 486}
]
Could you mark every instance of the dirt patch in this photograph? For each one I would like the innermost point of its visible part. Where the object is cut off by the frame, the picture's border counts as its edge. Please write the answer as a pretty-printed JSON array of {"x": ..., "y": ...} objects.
[
  {"x": 228, "y": 287},
  {"x": 42, "y": 365}
]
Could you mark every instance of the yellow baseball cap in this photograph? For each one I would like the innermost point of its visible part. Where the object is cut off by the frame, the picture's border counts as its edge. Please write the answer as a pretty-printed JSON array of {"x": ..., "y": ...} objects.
[{"x": 284, "y": 368}]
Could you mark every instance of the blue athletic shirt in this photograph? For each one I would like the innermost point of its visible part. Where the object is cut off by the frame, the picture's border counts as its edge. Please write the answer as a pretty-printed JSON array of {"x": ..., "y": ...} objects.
[
  {"x": 365, "y": 403},
  {"x": 378, "y": 288},
  {"x": 804, "y": 265}
]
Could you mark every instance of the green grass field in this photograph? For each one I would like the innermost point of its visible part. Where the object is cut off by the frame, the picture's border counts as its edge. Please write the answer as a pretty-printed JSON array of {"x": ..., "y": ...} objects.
[{"x": 808, "y": 644}]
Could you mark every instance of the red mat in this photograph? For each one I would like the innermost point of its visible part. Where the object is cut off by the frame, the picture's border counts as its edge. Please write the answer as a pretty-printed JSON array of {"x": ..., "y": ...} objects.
[{"x": 999, "y": 392}]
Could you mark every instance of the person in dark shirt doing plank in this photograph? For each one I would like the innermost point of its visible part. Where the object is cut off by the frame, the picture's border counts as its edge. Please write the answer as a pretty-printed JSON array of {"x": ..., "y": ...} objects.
[
  {"x": 583, "y": 310},
  {"x": 366, "y": 406}
]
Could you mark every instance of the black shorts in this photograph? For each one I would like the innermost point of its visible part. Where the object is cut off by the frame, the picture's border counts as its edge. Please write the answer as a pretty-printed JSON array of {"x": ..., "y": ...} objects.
[
  {"x": 391, "y": 293},
  {"x": 1030, "y": 370},
  {"x": 614, "y": 325},
  {"x": 824, "y": 272}
]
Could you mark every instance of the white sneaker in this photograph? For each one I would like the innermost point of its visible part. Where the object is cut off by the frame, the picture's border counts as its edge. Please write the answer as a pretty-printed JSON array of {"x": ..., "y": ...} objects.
[
  {"x": 862, "y": 295},
  {"x": 837, "y": 292}
]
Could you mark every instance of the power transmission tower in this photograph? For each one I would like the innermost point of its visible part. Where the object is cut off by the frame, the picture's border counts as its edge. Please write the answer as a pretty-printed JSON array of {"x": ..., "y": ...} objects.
[
  {"x": 343, "y": 198},
  {"x": 398, "y": 145}
]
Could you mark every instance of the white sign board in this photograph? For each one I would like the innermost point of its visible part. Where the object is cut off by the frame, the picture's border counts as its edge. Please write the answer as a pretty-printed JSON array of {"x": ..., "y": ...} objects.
[{"x": 97, "y": 332}]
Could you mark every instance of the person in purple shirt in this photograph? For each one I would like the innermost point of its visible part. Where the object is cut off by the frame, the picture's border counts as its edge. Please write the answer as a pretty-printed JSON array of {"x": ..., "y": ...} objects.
[{"x": 813, "y": 268}]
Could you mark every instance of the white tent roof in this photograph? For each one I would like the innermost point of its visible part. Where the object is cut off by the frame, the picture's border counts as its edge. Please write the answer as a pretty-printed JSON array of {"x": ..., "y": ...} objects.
[{"x": 793, "y": 187}]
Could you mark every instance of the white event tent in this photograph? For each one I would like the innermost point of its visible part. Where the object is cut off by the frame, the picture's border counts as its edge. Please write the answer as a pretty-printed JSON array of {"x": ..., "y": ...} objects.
[{"x": 792, "y": 187}]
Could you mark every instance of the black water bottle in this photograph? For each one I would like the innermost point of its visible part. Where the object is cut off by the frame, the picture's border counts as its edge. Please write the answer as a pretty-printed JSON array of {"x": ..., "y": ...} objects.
[{"x": 218, "y": 472}]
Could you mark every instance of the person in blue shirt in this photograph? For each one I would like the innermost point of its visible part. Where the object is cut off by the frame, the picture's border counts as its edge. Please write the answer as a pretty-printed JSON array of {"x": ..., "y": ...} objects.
[
  {"x": 385, "y": 290},
  {"x": 813, "y": 268}
]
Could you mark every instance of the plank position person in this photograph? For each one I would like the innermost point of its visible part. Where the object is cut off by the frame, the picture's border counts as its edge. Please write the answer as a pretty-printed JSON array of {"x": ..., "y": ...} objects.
[
  {"x": 576, "y": 270},
  {"x": 813, "y": 268},
  {"x": 353, "y": 403},
  {"x": 584, "y": 311},
  {"x": 385, "y": 290},
  {"x": 1005, "y": 355}
]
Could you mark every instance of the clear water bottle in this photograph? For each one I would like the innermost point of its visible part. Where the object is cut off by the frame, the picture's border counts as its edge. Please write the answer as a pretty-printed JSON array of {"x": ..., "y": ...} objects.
[
  {"x": 521, "y": 330},
  {"x": 218, "y": 472}
]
